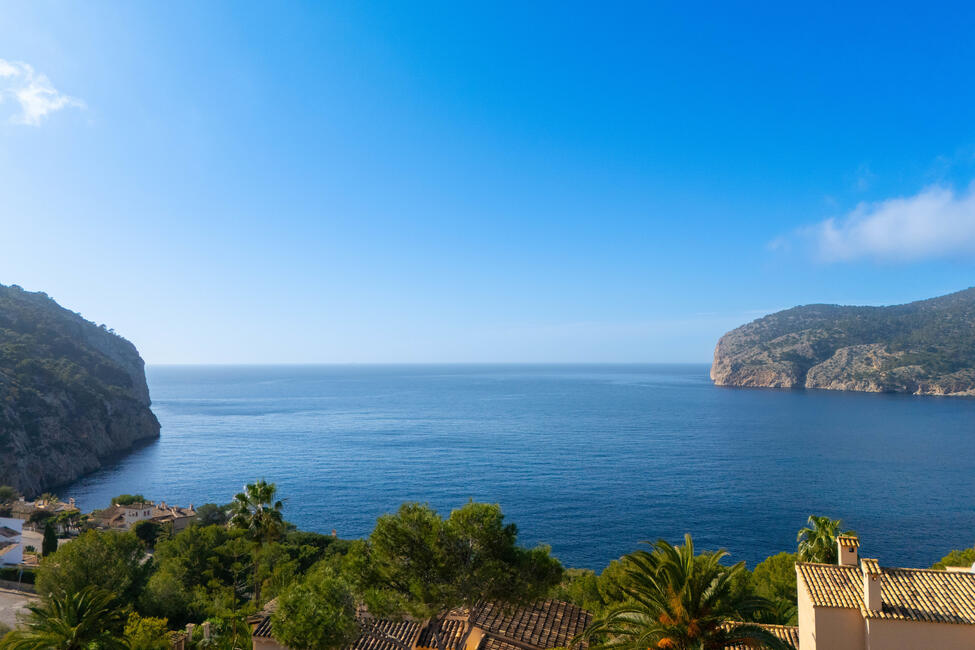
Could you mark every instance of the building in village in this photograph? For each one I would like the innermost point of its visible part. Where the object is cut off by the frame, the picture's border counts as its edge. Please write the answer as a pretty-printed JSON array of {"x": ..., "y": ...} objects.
[
  {"x": 23, "y": 509},
  {"x": 124, "y": 517}
]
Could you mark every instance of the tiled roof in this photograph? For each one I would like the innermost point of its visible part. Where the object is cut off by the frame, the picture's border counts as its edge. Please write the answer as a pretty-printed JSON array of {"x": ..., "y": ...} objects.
[
  {"x": 451, "y": 632},
  {"x": 263, "y": 619},
  {"x": 787, "y": 633},
  {"x": 848, "y": 540},
  {"x": 263, "y": 628},
  {"x": 6, "y": 547},
  {"x": 907, "y": 594},
  {"x": 8, "y": 532},
  {"x": 383, "y": 634},
  {"x": 870, "y": 567},
  {"x": 543, "y": 624},
  {"x": 492, "y": 643}
]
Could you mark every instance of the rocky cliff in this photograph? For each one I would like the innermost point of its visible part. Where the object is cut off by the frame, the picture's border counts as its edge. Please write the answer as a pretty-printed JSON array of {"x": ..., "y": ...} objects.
[
  {"x": 925, "y": 347},
  {"x": 72, "y": 394}
]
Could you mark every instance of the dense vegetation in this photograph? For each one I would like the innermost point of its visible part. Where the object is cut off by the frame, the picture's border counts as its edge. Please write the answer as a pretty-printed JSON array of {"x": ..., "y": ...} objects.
[
  {"x": 924, "y": 346},
  {"x": 70, "y": 391}
]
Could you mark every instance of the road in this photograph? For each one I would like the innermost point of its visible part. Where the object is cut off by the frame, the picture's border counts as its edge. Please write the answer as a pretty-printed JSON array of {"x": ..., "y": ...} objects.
[{"x": 12, "y": 602}]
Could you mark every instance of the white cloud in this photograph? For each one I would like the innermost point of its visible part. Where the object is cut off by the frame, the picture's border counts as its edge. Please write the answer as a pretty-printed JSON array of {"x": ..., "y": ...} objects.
[
  {"x": 34, "y": 93},
  {"x": 937, "y": 222}
]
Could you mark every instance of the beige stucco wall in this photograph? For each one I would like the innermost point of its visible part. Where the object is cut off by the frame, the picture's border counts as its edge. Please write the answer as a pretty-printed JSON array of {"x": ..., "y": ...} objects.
[
  {"x": 474, "y": 639},
  {"x": 915, "y": 635},
  {"x": 839, "y": 629},
  {"x": 807, "y": 617}
]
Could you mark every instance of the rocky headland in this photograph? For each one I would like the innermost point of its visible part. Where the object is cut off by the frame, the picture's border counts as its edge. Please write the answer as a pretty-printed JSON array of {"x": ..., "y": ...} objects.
[
  {"x": 72, "y": 394},
  {"x": 925, "y": 348}
]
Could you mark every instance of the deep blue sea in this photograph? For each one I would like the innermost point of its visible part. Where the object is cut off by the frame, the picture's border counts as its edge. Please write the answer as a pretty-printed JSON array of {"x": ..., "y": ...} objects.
[{"x": 590, "y": 459}]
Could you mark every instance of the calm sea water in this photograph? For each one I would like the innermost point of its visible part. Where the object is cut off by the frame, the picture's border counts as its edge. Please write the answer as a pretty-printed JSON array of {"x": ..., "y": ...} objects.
[{"x": 589, "y": 459}]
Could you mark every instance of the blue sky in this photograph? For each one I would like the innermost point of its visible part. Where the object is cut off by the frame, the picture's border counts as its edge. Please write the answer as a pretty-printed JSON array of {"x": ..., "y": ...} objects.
[{"x": 391, "y": 182}]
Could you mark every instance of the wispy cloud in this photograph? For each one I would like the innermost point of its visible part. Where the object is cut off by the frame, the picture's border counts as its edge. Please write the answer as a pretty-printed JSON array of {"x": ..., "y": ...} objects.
[
  {"x": 34, "y": 93},
  {"x": 936, "y": 222}
]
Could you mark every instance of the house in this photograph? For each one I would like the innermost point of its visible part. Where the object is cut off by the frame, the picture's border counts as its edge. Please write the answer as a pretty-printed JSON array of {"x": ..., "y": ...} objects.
[
  {"x": 859, "y": 605},
  {"x": 124, "y": 517},
  {"x": 178, "y": 517},
  {"x": 23, "y": 509},
  {"x": 540, "y": 626},
  {"x": 11, "y": 546}
]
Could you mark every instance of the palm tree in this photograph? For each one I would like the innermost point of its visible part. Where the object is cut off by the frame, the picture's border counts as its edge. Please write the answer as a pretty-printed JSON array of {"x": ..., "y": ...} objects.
[
  {"x": 680, "y": 601},
  {"x": 70, "y": 622},
  {"x": 255, "y": 511},
  {"x": 817, "y": 540}
]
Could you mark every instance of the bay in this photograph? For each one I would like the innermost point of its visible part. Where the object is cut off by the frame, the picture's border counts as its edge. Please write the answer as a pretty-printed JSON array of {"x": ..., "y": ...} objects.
[{"x": 590, "y": 459}]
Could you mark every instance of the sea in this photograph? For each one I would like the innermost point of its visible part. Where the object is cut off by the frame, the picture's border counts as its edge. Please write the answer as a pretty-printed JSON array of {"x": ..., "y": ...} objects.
[{"x": 592, "y": 460}]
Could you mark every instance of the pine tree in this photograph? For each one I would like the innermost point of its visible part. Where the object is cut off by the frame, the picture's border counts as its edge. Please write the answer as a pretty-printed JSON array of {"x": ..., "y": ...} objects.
[{"x": 50, "y": 542}]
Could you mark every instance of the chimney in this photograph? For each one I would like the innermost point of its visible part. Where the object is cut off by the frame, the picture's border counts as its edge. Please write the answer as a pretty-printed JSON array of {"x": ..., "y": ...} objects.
[
  {"x": 872, "y": 579},
  {"x": 847, "y": 550},
  {"x": 71, "y": 502}
]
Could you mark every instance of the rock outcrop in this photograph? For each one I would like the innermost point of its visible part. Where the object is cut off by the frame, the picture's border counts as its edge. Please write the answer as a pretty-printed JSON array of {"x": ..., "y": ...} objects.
[
  {"x": 925, "y": 347},
  {"x": 72, "y": 394}
]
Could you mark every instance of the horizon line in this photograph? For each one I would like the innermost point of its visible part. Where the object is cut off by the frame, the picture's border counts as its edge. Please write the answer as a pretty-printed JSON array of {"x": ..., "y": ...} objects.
[{"x": 433, "y": 363}]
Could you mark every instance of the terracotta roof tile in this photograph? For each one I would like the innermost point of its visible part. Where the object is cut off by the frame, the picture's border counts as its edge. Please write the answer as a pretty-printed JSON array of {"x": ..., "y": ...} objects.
[
  {"x": 907, "y": 594},
  {"x": 848, "y": 540},
  {"x": 383, "y": 634},
  {"x": 492, "y": 643},
  {"x": 451, "y": 631},
  {"x": 543, "y": 624},
  {"x": 870, "y": 567},
  {"x": 787, "y": 633}
]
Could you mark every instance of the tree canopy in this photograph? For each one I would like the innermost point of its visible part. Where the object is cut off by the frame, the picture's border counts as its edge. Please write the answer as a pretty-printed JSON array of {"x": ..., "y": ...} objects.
[
  {"x": 421, "y": 564},
  {"x": 680, "y": 600},
  {"x": 128, "y": 499},
  {"x": 86, "y": 618},
  {"x": 113, "y": 561},
  {"x": 817, "y": 540},
  {"x": 317, "y": 613}
]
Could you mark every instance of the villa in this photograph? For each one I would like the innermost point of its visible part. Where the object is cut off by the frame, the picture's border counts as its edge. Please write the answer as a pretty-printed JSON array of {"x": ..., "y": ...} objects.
[
  {"x": 859, "y": 605},
  {"x": 124, "y": 517},
  {"x": 23, "y": 509}
]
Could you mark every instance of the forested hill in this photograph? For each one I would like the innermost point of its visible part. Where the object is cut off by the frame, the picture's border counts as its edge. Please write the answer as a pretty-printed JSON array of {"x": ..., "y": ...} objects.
[
  {"x": 71, "y": 393},
  {"x": 924, "y": 347}
]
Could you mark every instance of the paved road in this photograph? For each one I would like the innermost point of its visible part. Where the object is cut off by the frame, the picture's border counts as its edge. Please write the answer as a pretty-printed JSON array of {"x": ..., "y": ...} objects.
[{"x": 12, "y": 602}]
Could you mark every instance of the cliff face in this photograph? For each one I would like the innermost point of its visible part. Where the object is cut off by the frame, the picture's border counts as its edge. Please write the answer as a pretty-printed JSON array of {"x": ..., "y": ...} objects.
[
  {"x": 72, "y": 394},
  {"x": 925, "y": 347}
]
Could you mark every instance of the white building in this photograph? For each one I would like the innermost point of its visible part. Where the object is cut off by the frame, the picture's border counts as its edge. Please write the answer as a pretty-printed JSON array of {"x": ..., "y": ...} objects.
[{"x": 11, "y": 546}]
